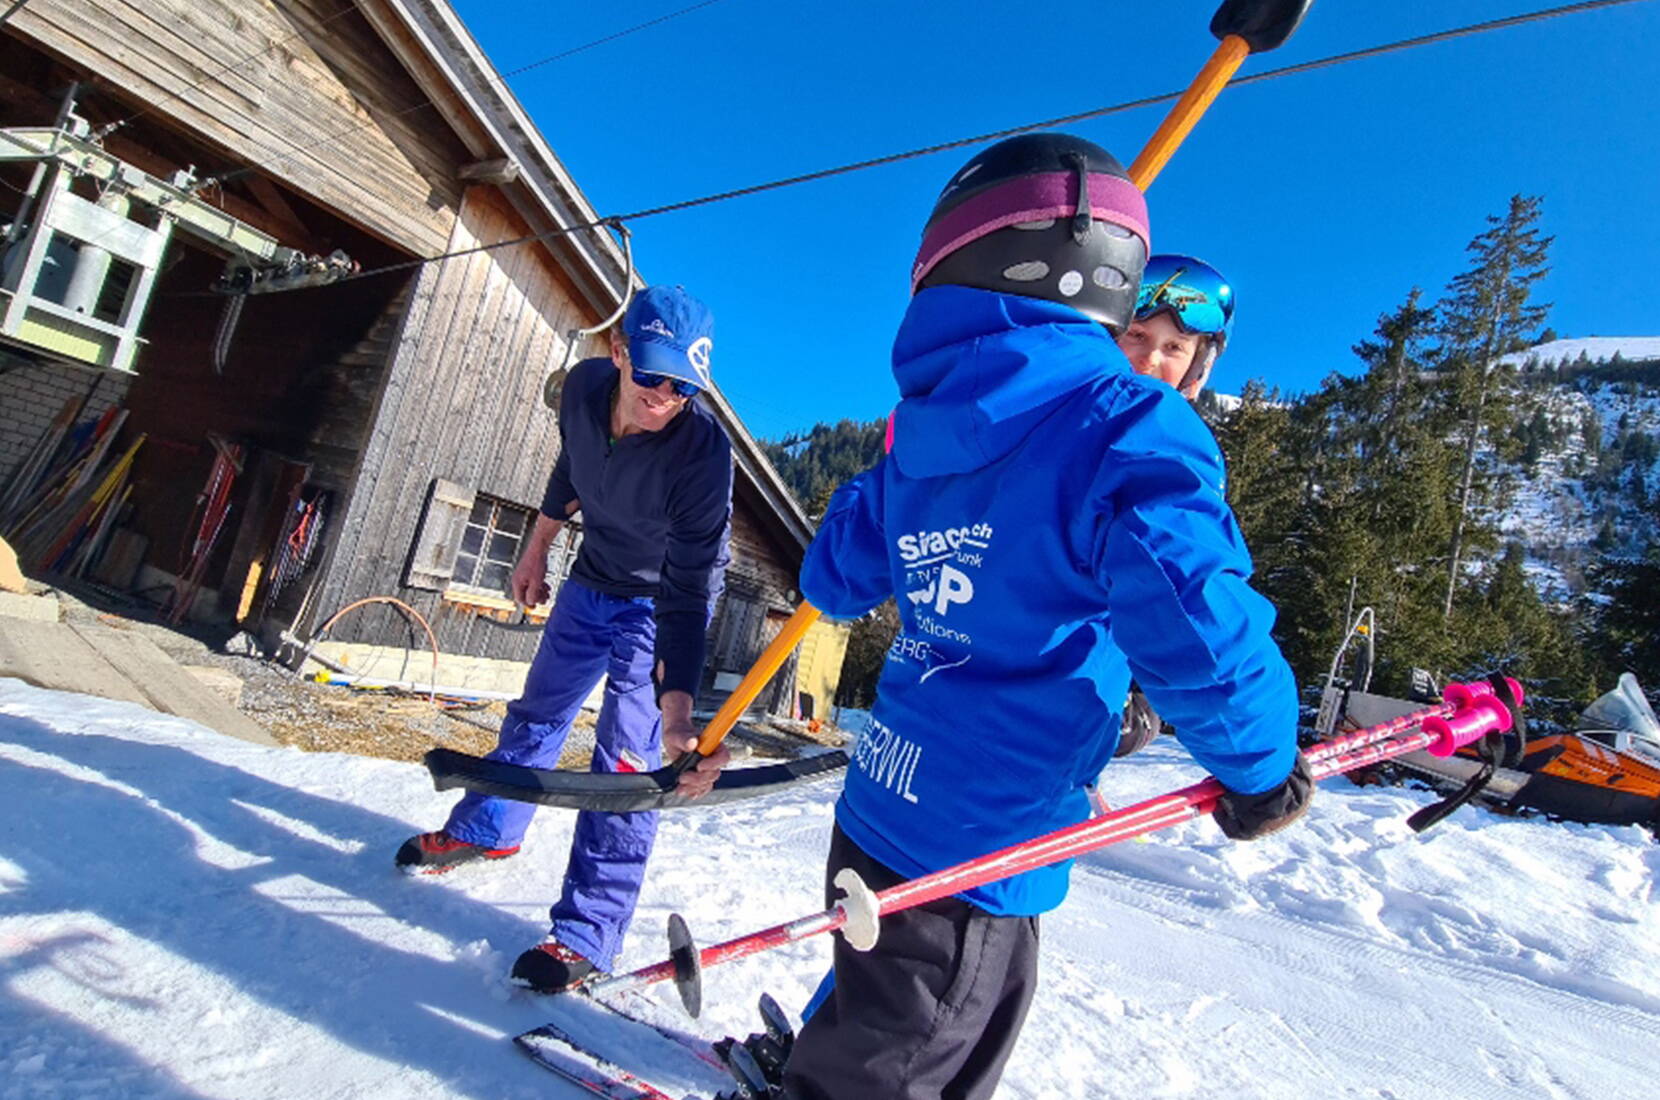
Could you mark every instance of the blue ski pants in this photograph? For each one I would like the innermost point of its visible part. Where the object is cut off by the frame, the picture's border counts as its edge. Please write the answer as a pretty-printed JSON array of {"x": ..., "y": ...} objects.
[{"x": 588, "y": 635}]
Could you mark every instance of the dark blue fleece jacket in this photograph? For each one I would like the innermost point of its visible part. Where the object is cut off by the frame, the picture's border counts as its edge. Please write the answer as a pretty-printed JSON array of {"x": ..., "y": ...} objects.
[{"x": 656, "y": 512}]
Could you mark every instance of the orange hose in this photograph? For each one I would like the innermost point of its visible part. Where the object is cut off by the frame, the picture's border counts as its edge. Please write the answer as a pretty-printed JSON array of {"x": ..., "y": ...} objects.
[{"x": 432, "y": 639}]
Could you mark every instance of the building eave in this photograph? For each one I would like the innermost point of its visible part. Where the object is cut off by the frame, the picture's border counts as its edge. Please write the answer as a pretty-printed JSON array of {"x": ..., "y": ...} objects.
[{"x": 492, "y": 123}]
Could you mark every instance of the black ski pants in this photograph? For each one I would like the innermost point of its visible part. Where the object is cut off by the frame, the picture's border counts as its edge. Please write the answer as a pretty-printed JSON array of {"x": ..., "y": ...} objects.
[{"x": 931, "y": 1013}]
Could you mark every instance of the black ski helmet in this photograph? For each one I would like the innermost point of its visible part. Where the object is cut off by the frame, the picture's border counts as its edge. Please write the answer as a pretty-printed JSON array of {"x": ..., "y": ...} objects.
[{"x": 1014, "y": 219}]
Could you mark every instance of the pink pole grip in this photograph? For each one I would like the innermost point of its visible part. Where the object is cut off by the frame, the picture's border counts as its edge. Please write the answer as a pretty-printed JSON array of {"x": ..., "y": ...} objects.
[
  {"x": 1486, "y": 714},
  {"x": 1462, "y": 695}
]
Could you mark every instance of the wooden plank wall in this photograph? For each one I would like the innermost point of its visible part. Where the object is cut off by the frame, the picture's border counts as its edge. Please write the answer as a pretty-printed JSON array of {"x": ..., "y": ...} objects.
[
  {"x": 462, "y": 402},
  {"x": 759, "y": 559},
  {"x": 318, "y": 77}
]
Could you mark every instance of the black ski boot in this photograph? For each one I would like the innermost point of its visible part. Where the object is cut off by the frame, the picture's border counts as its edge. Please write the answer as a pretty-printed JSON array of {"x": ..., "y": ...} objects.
[
  {"x": 757, "y": 1063},
  {"x": 777, "y": 1024},
  {"x": 752, "y": 1079}
]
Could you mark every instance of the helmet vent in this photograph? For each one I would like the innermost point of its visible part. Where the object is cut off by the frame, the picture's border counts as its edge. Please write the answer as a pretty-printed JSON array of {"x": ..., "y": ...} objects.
[
  {"x": 1044, "y": 224},
  {"x": 1109, "y": 278},
  {"x": 1112, "y": 229},
  {"x": 1029, "y": 272}
]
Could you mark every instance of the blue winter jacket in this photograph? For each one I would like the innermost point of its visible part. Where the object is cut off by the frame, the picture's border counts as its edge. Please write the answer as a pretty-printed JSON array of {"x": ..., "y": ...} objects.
[{"x": 1051, "y": 524}]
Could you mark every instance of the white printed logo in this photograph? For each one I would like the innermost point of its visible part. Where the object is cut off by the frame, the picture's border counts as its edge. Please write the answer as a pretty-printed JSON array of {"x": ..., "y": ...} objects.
[
  {"x": 698, "y": 356},
  {"x": 656, "y": 325},
  {"x": 951, "y": 585},
  {"x": 937, "y": 565},
  {"x": 906, "y": 649},
  {"x": 926, "y": 547},
  {"x": 888, "y": 759}
]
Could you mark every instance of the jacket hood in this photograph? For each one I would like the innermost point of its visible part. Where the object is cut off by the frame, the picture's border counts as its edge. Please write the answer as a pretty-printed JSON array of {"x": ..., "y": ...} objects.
[{"x": 978, "y": 371}]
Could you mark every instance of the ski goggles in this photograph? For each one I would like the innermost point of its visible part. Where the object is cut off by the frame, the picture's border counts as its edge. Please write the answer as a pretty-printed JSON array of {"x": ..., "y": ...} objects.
[
  {"x": 1195, "y": 293},
  {"x": 649, "y": 381}
]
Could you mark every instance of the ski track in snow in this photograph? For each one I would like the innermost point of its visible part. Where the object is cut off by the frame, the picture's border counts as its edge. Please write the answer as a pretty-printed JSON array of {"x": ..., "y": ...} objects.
[{"x": 187, "y": 916}]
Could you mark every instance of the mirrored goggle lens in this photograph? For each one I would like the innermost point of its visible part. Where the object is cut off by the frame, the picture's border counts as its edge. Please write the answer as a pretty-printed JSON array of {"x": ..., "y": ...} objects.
[
  {"x": 1198, "y": 307},
  {"x": 649, "y": 381}
]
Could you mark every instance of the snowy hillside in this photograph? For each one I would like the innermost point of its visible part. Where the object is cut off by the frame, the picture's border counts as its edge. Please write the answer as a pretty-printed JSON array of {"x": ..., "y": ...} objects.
[
  {"x": 1593, "y": 348},
  {"x": 1593, "y": 461},
  {"x": 183, "y": 915}
]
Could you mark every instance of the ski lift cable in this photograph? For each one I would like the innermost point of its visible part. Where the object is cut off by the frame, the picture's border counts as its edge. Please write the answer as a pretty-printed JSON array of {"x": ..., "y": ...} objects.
[
  {"x": 928, "y": 150},
  {"x": 499, "y": 80}
]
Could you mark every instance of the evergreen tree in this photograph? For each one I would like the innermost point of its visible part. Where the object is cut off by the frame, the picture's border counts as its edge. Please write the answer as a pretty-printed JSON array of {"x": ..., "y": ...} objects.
[
  {"x": 867, "y": 650},
  {"x": 1511, "y": 630},
  {"x": 1623, "y": 624},
  {"x": 815, "y": 463},
  {"x": 1487, "y": 315}
]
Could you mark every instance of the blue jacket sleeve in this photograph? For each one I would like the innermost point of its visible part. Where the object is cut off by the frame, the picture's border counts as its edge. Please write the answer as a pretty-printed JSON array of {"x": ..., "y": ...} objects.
[
  {"x": 694, "y": 567},
  {"x": 846, "y": 570},
  {"x": 1176, "y": 568},
  {"x": 557, "y": 499}
]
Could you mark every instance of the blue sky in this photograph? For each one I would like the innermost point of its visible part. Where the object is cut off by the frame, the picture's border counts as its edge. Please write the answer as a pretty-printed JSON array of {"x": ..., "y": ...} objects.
[{"x": 1325, "y": 196}]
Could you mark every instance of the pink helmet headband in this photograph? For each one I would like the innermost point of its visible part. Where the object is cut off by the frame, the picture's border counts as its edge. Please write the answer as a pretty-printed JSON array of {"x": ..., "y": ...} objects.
[{"x": 1031, "y": 199}]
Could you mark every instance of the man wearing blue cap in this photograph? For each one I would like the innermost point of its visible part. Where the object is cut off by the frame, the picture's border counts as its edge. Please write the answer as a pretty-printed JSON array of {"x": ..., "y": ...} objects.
[{"x": 651, "y": 472}]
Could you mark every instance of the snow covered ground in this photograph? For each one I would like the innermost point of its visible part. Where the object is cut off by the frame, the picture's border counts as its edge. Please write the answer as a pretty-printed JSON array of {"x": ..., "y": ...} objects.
[{"x": 184, "y": 915}]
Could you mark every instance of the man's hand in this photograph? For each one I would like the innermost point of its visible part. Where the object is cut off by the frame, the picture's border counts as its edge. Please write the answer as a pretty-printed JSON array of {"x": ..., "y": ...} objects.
[
  {"x": 680, "y": 738},
  {"x": 1249, "y": 816},
  {"x": 529, "y": 583}
]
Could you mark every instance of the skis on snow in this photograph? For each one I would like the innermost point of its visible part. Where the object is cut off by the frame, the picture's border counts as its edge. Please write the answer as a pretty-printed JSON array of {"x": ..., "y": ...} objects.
[{"x": 662, "y": 1063}]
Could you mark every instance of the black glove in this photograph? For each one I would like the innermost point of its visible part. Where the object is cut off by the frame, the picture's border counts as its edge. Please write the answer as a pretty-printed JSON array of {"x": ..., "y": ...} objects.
[
  {"x": 1141, "y": 724},
  {"x": 1249, "y": 816}
]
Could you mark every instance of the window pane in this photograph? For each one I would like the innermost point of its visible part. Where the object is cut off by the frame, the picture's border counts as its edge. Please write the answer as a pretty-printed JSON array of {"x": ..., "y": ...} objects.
[
  {"x": 482, "y": 507},
  {"x": 503, "y": 547},
  {"x": 466, "y": 566},
  {"x": 472, "y": 539},
  {"x": 511, "y": 520},
  {"x": 494, "y": 576}
]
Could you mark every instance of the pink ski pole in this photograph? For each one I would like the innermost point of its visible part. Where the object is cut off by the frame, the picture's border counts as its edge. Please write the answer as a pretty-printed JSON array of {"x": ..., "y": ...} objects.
[{"x": 1471, "y": 712}]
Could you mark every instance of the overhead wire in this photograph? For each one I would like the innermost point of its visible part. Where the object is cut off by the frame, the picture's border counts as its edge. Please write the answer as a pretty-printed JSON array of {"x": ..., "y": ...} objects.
[{"x": 995, "y": 135}]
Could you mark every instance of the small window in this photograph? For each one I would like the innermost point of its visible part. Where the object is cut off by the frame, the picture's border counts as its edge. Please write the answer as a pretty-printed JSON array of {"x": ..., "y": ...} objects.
[{"x": 490, "y": 544}]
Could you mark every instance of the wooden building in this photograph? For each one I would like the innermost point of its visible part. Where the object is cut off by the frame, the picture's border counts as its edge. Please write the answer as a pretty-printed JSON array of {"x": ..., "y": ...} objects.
[{"x": 390, "y": 429}]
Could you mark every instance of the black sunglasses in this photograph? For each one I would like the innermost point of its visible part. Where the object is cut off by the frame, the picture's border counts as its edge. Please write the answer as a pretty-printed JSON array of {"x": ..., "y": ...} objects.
[{"x": 649, "y": 381}]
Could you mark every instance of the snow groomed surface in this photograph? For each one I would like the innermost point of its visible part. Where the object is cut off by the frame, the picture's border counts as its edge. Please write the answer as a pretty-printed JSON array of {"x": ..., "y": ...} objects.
[{"x": 184, "y": 915}]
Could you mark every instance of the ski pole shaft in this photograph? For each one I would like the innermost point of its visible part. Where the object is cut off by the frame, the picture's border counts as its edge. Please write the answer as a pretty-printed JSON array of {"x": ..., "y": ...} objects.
[{"x": 1367, "y": 746}]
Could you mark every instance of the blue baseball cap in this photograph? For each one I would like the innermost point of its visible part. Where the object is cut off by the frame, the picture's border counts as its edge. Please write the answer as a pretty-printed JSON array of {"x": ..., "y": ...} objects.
[{"x": 670, "y": 332}]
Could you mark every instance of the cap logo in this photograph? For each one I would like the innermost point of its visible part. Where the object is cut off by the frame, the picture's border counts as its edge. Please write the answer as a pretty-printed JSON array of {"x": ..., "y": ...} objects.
[
  {"x": 698, "y": 356},
  {"x": 656, "y": 325}
]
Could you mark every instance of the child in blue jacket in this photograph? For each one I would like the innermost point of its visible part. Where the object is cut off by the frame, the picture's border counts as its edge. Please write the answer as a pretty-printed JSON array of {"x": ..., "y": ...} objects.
[{"x": 1050, "y": 524}]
